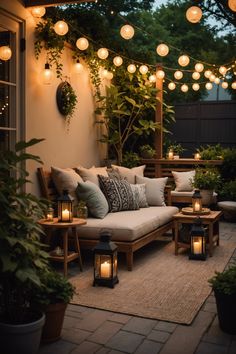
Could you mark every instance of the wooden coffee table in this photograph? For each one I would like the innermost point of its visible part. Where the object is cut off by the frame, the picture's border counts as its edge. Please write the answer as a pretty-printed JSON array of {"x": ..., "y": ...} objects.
[
  {"x": 211, "y": 220},
  {"x": 64, "y": 227}
]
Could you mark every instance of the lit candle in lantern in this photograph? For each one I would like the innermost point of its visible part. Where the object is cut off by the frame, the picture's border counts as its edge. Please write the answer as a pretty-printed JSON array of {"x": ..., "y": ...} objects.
[
  {"x": 49, "y": 217},
  {"x": 197, "y": 206},
  {"x": 65, "y": 215},
  {"x": 105, "y": 270},
  {"x": 197, "y": 247},
  {"x": 197, "y": 156},
  {"x": 171, "y": 154}
]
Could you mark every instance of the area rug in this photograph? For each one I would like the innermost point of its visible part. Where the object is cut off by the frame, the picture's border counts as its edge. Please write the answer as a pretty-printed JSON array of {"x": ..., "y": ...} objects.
[{"x": 161, "y": 286}]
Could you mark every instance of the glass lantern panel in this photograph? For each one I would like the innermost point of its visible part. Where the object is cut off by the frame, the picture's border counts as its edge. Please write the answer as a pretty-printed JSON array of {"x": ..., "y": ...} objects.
[
  {"x": 198, "y": 245},
  {"x": 115, "y": 264},
  {"x": 197, "y": 204},
  {"x": 103, "y": 266}
]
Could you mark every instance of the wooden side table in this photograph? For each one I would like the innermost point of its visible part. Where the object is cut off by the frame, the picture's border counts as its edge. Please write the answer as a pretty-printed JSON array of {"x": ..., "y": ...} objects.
[
  {"x": 211, "y": 220},
  {"x": 64, "y": 227}
]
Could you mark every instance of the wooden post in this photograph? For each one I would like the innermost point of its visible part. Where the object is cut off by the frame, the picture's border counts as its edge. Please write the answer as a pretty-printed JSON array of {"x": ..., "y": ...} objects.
[{"x": 159, "y": 119}]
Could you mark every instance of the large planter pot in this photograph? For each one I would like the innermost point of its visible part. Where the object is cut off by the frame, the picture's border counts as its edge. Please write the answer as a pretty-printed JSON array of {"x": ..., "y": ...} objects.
[
  {"x": 55, "y": 314},
  {"x": 226, "y": 309},
  {"x": 207, "y": 196},
  {"x": 21, "y": 339}
]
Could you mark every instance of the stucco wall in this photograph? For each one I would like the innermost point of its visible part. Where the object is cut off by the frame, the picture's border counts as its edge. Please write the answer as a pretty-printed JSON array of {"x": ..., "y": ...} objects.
[{"x": 62, "y": 147}]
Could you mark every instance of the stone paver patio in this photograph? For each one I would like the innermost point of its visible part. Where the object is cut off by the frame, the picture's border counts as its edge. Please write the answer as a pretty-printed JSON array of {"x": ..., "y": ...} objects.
[{"x": 88, "y": 330}]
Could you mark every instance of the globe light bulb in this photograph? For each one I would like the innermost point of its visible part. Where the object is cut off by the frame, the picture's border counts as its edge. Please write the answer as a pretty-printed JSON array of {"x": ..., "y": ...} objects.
[
  {"x": 47, "y": 75},
  {"x": 212, "y": 77},
  {"x": 178, "y": 75},
  {"x": 82, "y": 43},
  {"x": 233, "y": 85},
  {"x": 162, "y": 50},
  {"x": 131, "y": 68},
  {"x": 194, "y": 14},
  {"x": 5, "y": 53},
  {"x": 143, "y": 69},
  {"x": 160, "y": 74},
  {"x": 110, "y": 75},
  {"x": 183, "y": 60},
  {"x": 61, "y": 28},
  {"x": 102, "y": 53},
  {"x": 152, "y": 78},
  {"x": 184, "y": 88},
  {"x": 207, "y": 74},
  {"x": 208, "y": 85},
  {"x": 217, "y": 81},
  {"x": 199, "y": 67},
  {"x": 117, "y": 61},
  {"x": 224, "y": 85},
  {"x": 38, "y": 11},
  {"x": 104, "y": 73},
  {"x": 171, "y": 86},
  {"x": 232, "y": 5},
  {"x": 195, "y": 87},
  {"x": 222, "y": 70},
  {"x": 196, "y": 75},
  {"x": 78, "y": 67},
  {"x": 127, "y": 32}
]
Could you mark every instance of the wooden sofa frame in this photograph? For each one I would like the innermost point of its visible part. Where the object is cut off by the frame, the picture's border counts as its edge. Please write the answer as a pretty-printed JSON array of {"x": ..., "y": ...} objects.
[{"x": 49, "y": 192}]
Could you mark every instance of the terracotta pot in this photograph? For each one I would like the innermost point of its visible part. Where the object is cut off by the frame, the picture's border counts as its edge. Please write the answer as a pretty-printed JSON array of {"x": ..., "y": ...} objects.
[{"x": 55, "y": 314}]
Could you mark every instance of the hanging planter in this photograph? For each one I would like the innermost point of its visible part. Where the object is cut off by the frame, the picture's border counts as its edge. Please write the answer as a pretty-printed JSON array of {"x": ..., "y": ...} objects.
[{"x": 66, "y": 99}]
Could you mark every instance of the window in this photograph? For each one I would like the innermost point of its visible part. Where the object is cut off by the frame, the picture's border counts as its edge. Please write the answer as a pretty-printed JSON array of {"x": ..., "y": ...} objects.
[{"x": 11, "y": 84}]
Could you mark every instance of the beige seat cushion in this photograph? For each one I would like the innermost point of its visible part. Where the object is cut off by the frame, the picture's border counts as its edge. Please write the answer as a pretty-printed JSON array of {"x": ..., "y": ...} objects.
[{"x": 128, "y": 225}]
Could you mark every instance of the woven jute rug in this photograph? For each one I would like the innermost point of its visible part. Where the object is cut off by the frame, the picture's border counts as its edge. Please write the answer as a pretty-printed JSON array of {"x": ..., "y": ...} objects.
[{"x": 161, "y": 286}]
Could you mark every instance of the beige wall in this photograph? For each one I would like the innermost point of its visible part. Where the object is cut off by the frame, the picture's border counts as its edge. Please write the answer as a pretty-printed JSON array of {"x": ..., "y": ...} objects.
[{"x": 62, "y": 147}]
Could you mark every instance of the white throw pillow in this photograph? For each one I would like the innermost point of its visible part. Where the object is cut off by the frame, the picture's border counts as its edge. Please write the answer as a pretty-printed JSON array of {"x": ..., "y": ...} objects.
[
  {"x": 183, "y": 181},
  {"x": 140, "y": 190},
  {"x": 91, "y": 174},
  {"x": 129, "y": 173},
  {"x": 154, "y": 189},
  {"x": 65, "y": 178}
]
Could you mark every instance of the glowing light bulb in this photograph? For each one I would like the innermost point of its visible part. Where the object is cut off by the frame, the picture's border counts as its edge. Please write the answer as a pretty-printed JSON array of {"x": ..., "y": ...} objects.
[
  {"x": 183, "y": 60},
  {"x": 162, "y": 50},
  {"x": 117, "y": 61},
  {"x": 199, "y": 67},
  {"x": 212, "y": 77},
  {"x": 196, "y": 75},
  {"x": 222, "y": 70},
  {"x": 171, "y": 86},
  {"x": 61, "y": 28},
  {"x": 184, "y": 88},
  {"x": 127, "y": 32},
  {"x": 208, "y": 85},
  {"x": 178, "y": 75},
  {"x": 143, "y": 69},
  {"x": 104, "y": 73},
  {"x": 224, "y": 85},
  {"x": 232, "y": 5},
  {"x": 152, "y": 78},
  {"x": 102, "y": 53},
  {"x": 38, "y": 11},
  {"x": 217, "y": 81},
  {"x": 5, "y": 53},
  {"x": 207, "y": 74},
  {"x": 160, "y": 74},
  {"x": 82, "y": 43},
  {"x": 233, "y": 85},
  {"x": 110, "y": 75},
  {"x": 195, "y": 87},
  {"x": 131, "y": 68},
  {"x": 47, "y": 75},
  {"x": 194, "y": 14},
  {"x": 78, "y": 67}
]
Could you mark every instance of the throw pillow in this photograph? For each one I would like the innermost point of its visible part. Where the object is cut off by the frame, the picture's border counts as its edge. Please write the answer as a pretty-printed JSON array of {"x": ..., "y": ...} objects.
[
  {"x": 114, "y": 174},
  {"x": 183, "y": 181},
  {"x": 90, "y": 174},
  {"x": 65, "y": 178},
  {"x": 154, "y": 189},
  {"x": 140, "y": 189},
  {"x": 92, "y": 195},
  {"x": 129, "y": 173},
  {"x": 119, "y": 194}
]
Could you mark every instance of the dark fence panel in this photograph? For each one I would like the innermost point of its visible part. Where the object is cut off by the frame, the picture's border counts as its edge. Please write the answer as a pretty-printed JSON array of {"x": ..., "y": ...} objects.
[{"x": 202, "y": 123}]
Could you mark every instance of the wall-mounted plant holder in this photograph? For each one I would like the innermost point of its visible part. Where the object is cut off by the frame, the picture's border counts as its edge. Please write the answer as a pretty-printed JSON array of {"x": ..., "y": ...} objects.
[{"x": 66, "y": 99}]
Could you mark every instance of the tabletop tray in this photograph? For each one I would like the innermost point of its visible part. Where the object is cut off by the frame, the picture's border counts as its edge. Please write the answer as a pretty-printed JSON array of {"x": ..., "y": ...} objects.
[{"x": 189, "y": 211}]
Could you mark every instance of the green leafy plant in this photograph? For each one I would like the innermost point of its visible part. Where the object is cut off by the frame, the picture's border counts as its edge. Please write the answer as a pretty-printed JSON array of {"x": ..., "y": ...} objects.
[
  {"x": 211, "y": 152},
  {"x": 131, "y": 159},
  {"x": 225, "y": 282},
  {"x": 147, "y": 151},
  {"x": 228, "y": 167},
  {"x": 177, "y": 148},
  {"x": 67, "y": 100},
  {"x": 22, "y": 256},
  {"x": 207, "y": 178},
  {"x": 228, "y": 191}
]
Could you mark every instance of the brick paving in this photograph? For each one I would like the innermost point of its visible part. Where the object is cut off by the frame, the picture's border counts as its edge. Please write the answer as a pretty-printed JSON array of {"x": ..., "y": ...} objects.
[{"x": 88, "y": 331}]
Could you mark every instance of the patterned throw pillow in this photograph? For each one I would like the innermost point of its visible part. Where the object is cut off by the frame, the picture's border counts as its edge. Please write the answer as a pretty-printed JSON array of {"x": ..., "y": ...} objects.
[
  {"x": 119, "y": 194},
  {"x": 114, "y": 174},
  {"x": 140, "y": 190}
]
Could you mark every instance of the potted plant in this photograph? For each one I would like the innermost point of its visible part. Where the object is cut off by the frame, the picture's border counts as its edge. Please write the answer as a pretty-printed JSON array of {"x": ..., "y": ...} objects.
[
  {"x": 21, "y": 254},
  {"x": 177, "y": 149},
  {"x": 207, "y": 180},
  {"x": 224, "y": 287},
  {"x": 147, "y": 152},
  {"x": 130, "y": 159},
  {"x": 53, "y": 298}
]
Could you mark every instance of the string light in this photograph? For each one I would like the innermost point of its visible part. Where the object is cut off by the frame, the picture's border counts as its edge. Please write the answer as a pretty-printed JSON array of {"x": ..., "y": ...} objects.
[
  {"x": 110, "y": 75},
  {"x": 183, "y": 60},
  {"x": 47, "y": 75},
  {"x": 152, "y": 78},
  {"x": 162, "y": 49},
  {"x": 194, "y": 14},
  {"x": 208, "y": 86},
  {"x": 143, "y": 69},
  {"x": 160, "y": 74},
  {"x": 196, "y": 75},
  {"x": 171, "y": 86},
  {"x": 127, "y": 32},
  {"x": 207, "y": 74},
  {"x": 217, "y": 81},
  {"x": 78, "y": 67},
  {"x": 195, "y": 87},
  {"x": 184, "y": 88},
  {"x": 199, "y": 67},
  {"x": 224, "y": 85},
  {"x": 212, "y": 77},
  {"x": 117, "y": 61},
  {"x": 61, "y": 28},
  {"x": 102, "y": 53},
  {"x": 233, "y": 85},
  {"x": 82, "y": 43},
  {"x": 232, "y": 5},
  {"x": 178, "y": 75},
  {"x": 38, "y": 11},
  {"x": 131, "y": 68},
  {"x": 104, "y": 73},
  {"x": 5, "y": 53},
  {"x": 222, "y": 70}
]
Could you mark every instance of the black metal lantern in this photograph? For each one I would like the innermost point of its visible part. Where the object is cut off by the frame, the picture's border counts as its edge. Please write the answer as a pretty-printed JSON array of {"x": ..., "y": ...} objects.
[
  {"x": 198, "y": 241},
  {"x": 197, "y": 201},
  {"x": 105, "y": 261},
  {"x": 65, "y": 207}
]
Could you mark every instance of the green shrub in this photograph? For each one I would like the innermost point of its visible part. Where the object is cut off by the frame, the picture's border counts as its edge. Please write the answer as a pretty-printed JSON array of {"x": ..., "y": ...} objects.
[
  {"x": 211, "y": 152},
  {"x": 130, "y": 159},
  {"x": 228, "y": 191},
  {"x": 208, "y": 178},
  {"x": 225, "y": 282},
  {"x": 228, "y": 167}
]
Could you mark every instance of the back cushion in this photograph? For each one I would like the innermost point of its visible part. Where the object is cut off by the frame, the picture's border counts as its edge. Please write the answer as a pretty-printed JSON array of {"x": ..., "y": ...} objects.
[
  {"x": 90, "y": 174},
  {"x": 65, "y": 178},
  {"x": 154, "y": 189},
  {"x": 129, "y": 173},
  {"x": 183, "y": 181}
]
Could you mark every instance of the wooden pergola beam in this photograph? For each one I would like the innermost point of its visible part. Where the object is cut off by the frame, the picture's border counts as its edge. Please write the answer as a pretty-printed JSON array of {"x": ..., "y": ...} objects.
[{"x": 46, "y": 3}]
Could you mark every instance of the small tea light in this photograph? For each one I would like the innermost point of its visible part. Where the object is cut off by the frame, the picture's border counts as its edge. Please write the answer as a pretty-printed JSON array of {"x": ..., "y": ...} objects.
[
  {"x": 50, "y": 213},
  {"x": 170, "y": 154},
  {"x": 197, "y": 156}
]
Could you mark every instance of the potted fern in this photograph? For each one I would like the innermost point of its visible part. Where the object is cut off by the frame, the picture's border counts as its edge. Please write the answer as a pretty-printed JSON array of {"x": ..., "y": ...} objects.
[
  {"x": 22, "y": 257},
  {"x": 224, "y": 287}
]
